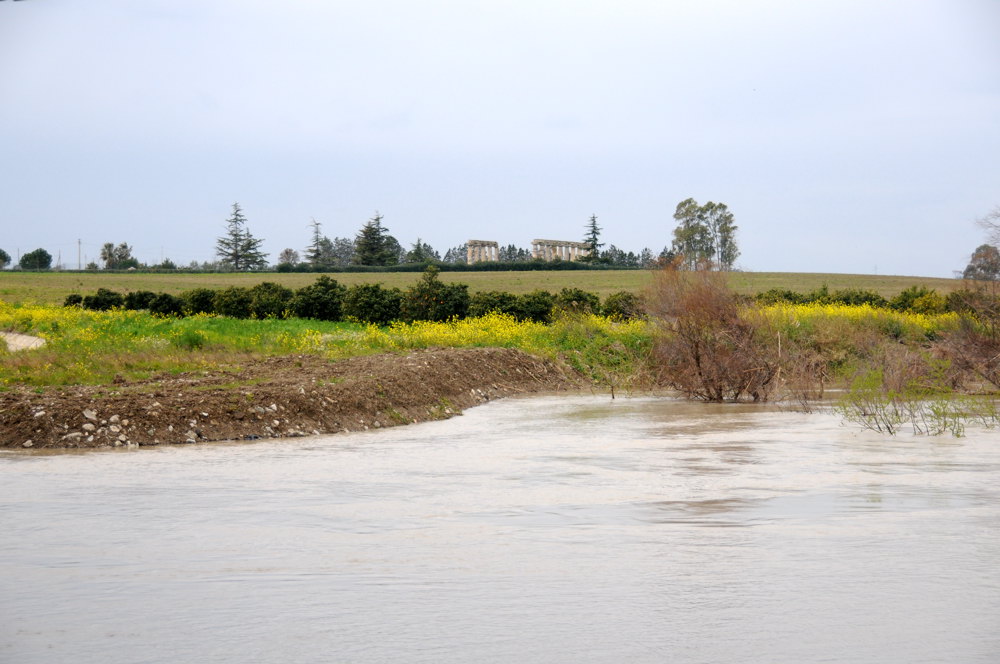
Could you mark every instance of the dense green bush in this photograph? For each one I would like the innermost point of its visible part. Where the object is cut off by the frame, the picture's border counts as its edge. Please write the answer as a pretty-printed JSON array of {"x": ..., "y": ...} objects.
[
  {"x": 484, "y": 302},
  {"x": 575, "y": 300},
  {"x": 198, "y": 301},
  {"x": 233, "y": 302},
  {"x": 137, "y": 300},
  {"x": 906, "y": 300},
  {"x": 430, "y": 299},
  {"x": 536, "y": 306},
  {"x": 166, "y": 304},
  {"x": 856, "y": 297},
  {"x": 103, "y": 300},
  {"x": 321, "y": 300},
  {"x": 929, "y": 303},
  {"x": 270, "y": 300},
  {"x": 623, "y": 304},
  {"x": 371, "y": 303},
  {"x": 73, "y": 300},
  {"x": 776, "y": 295}
]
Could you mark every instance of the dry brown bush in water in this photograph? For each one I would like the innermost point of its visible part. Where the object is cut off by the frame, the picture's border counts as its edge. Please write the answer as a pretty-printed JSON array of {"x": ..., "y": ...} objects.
[
  {"x": 708, "y": 346},
  {"x": 974, "y": 348}
]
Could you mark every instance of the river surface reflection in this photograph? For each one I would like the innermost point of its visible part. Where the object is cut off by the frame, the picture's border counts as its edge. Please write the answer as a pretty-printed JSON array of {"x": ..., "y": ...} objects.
[{"x": 553, "y": 529}]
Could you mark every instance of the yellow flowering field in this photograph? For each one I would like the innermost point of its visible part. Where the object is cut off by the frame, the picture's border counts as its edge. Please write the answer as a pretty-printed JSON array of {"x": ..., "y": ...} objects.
[
  {"x": 798, "y": 320},
  {"x": 85, "y": 346},
  {"x": 97, "y": 346}
]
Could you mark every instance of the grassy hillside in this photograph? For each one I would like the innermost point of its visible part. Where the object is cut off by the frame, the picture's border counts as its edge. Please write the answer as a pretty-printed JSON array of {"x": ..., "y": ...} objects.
[{"x": 52, "y": 287}]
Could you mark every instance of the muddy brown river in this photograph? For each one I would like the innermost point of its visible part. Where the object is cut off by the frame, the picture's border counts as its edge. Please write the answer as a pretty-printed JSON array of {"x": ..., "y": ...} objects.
[{"x": 553, "y": 529}]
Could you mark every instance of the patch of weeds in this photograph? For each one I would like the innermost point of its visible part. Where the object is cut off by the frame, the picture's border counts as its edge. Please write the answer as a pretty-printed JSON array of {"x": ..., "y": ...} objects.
[
  {"x": 189, "y": 340},
  {"x": 442, "y": 410},
  {"x": 396, "y": 416}
]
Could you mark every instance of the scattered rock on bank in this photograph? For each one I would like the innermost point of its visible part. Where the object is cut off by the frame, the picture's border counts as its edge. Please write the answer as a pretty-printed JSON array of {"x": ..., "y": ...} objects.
[{"x": 275, "y": 397}]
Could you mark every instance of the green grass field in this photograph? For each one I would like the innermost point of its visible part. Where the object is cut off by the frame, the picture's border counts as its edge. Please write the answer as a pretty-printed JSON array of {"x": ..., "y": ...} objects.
[{"x": 52, "y": 287}]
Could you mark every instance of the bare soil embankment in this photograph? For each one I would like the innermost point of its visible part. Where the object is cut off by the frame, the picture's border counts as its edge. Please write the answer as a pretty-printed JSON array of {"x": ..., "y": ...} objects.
[{"x": 275, "y": 397}]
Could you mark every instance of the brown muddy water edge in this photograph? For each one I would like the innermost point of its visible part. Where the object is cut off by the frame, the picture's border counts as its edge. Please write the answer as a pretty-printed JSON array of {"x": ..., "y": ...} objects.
[{"x": 275, "y": 397}]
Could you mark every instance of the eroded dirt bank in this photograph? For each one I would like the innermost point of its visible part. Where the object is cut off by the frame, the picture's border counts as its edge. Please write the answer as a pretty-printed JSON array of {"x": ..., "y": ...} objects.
[{"x": 275, "y": 397}]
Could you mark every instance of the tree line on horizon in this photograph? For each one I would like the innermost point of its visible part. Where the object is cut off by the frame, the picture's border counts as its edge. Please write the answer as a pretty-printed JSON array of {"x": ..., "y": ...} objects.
[{"x": 705, "y": 235}]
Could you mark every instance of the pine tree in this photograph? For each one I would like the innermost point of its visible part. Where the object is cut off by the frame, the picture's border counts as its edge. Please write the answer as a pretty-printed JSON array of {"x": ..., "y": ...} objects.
[
  {"x": 456, "y": 255},
  {"x": 591, "y": 240},
  {"x": 374, "y": 245},
  {"x": 239, "y": 250},
  {"x": 422, "y": 253},
  {"x": 314, "y": 252}
]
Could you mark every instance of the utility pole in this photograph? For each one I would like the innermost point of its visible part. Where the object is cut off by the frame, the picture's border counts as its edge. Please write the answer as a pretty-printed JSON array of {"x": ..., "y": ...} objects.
[{"x": 79, "y": 265}]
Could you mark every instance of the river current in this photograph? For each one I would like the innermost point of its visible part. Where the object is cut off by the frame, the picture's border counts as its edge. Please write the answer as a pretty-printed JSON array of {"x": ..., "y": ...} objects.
[{"x": 552, "y": 529}]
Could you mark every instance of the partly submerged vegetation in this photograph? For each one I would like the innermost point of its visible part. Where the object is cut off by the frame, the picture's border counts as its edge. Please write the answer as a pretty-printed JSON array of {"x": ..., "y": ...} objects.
[{"x": 914, "y": 358}]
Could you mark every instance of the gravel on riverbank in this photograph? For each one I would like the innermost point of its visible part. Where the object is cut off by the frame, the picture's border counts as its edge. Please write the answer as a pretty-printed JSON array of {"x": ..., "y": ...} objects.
[{"x": 275, "y": 397}]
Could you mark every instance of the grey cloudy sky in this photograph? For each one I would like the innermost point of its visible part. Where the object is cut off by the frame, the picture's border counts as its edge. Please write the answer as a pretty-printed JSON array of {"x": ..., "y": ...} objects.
[{"x": 845, "y": 135}]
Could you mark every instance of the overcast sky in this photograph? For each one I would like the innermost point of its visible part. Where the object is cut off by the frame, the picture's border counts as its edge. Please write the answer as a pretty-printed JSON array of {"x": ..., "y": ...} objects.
[{"x": 851, "y": 136}]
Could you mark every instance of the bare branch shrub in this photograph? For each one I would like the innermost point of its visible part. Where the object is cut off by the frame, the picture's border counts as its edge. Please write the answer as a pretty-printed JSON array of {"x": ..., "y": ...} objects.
[
  {"x": 974, "y": 348},
  {"x": 708, "y": 345}
]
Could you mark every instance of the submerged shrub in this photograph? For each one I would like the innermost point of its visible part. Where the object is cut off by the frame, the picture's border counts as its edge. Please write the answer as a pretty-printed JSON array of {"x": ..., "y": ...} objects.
[
  {"x": 705, "y": 345},
  {"x": 321, "y": 300}
]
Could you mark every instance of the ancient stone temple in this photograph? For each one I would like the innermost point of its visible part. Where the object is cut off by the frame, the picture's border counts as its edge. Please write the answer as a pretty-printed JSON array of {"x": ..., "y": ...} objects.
[
  {"x": 478, "y": 251},
  {"x": 550, "y": 250}
]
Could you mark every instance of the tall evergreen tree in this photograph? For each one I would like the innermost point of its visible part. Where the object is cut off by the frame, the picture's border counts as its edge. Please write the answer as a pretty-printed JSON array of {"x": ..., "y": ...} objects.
[
  {"x": 457, "y": 255},
  {"x": 374, "y": 245},
  {"x": 314, "y": 251},
  {"x": 514, "y": 254},
  {"x": 591, "y": 240},
  {"x": 238, "y": 249},
  {"x": 421, "y": 252},
  {"x": 341, "y": 251}
]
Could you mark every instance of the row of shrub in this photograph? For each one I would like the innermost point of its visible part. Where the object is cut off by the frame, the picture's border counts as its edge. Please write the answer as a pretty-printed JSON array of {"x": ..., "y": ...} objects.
[
  {"x": 326, "y": 299},
  {"x": 916, "y": 299}
]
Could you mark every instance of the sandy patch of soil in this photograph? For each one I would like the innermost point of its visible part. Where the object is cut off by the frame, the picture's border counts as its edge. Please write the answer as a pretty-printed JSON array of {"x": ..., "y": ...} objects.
[
  {"x": 275, "y": 397},
  {"x": 16, "y": 341}
]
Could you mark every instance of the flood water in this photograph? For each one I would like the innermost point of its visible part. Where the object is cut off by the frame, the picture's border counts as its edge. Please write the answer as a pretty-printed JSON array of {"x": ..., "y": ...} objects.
[{"x": 554, "y": 529}]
